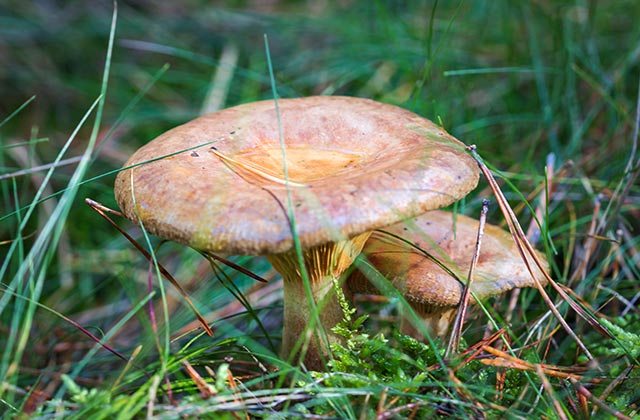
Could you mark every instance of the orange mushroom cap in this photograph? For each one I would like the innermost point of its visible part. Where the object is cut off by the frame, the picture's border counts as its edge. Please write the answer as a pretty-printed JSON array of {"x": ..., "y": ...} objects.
[
  {"x": 451, "y": 241},
  {"x": 217, "y": 183}
]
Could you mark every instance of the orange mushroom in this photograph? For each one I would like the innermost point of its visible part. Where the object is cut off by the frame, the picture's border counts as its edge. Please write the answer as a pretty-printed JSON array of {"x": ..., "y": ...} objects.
[
  {"x": 433, "y": 286},
  {"x": 352, "y": 165}
]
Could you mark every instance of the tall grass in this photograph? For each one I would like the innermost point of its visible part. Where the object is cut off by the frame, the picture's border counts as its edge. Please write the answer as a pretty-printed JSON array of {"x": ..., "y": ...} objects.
[{"x": 529, "y": 83}]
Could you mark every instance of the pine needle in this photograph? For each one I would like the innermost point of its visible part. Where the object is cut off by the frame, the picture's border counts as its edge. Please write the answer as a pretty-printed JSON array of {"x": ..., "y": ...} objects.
[
  {"x": 456, "y": 331},
  {"x": 102, "y": 211}
]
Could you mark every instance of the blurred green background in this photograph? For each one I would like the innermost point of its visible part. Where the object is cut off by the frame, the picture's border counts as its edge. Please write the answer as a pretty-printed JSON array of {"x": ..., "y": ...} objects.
[{"x": 520, "y": 79}]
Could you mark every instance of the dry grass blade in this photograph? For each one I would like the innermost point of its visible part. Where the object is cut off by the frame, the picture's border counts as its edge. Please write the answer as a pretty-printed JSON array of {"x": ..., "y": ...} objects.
[
  {"x": 395, "y": 412},
  {"x": 94, "y": 338},
  {"x": 258, "y": 363},
  {"x": 153, "y": 389},
  {"x": 22, "y": 237},
  {"x": 206, "y": 390},
  {"x": 230, "y": 403},
  {"x": 43, "y": 167},
  {"x": 533, "y": 232},
  {"x": 547, "y": 188},
  {"x": 584, "y": 391},
  {"x": 169, "y": 391},
  {"x": 463, "y": 393},
  {"x": 473, "y": 351},
  {"x": 126, "y": 368},
  {"x": 86, "y": 332},
  {"x": 381, "y": 403},
  {"x": 510, "y": 364},
  {"x": 456, "y": 331},
  {"x": 549, "y": 390},
  {"x": 583, "y": 405},
  {"x": 221, "y": 80},
  {"x": 508, "y": 361},
  {"x": 577, "y": 297},
  {"x": 525, "y": 248},
  {"x": 236, "y": 267},
  {"x": 609, "y": 389},
  {"x": 231, "y": 381},
  {"x": 589, "y": 247},
  {"x": 102, "y": 211}
]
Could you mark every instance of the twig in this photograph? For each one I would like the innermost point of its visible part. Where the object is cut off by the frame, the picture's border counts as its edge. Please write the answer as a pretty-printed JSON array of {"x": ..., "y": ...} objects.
[{"x": 456, "y": 331}]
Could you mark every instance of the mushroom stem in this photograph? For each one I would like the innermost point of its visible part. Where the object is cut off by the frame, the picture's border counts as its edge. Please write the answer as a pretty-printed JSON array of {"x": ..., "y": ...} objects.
[
  {"x": 298, "y": 318},
  {"x": 324, "y": 264}
]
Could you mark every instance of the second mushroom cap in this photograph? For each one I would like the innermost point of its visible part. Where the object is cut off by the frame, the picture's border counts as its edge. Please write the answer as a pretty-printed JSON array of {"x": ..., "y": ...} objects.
[{"x": 450, "y": 240}]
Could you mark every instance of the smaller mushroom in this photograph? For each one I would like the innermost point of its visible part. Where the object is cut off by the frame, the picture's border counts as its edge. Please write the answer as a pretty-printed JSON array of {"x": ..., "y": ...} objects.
[{"x": 434, "y": 286}]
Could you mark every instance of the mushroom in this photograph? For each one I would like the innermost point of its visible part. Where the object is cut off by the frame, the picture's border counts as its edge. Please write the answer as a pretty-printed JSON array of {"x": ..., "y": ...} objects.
[
  {"x": 218, "y": 184},
  {"x": 434, "y": 286}
]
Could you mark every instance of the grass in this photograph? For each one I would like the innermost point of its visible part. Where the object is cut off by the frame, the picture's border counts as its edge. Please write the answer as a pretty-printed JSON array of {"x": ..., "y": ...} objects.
[{"x": 527, "y": 83}]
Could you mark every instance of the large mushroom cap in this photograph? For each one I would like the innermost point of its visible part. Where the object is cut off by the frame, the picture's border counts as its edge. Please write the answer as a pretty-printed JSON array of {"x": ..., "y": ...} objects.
[
  {"x": 451, "y": 240},
  {"x": 217, "y": 183}
]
